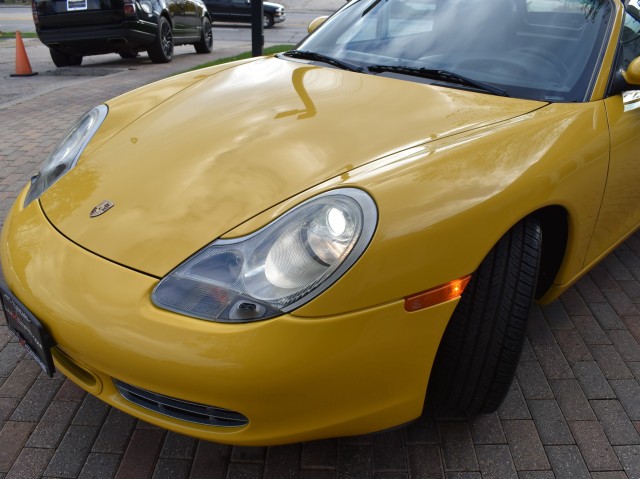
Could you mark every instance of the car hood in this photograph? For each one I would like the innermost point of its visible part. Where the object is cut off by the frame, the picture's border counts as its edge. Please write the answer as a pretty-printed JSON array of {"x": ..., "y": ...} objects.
[{"x": 214, "y": 153}]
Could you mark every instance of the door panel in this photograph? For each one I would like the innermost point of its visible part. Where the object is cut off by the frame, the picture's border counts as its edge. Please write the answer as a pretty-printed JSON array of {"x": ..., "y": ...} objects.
[
  {"x": 240, "y": 11},
  {"x": 620, "y": 212}
]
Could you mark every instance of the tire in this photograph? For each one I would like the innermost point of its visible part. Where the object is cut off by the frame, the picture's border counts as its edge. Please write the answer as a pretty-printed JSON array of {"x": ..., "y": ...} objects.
[
  {"x": 205, "y": 45},
  {"x": 161, "y": 51},
  {"x": 61, "y": 59},
  {"x": 267, "y": 20},
  {"x": 481, "y": 347},
  {"x": 128, "y": 55}
]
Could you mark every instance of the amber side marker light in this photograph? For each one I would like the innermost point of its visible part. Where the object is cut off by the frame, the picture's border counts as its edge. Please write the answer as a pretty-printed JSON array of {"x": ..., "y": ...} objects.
[{"x": 437, "y": 295}]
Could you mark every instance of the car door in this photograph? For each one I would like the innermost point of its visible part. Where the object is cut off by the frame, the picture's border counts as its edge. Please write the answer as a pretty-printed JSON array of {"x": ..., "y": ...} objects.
[
  {"x": 240, "y": 10},
  {"x": 219, "y": 9},
  {"x": 620, "y": 212},
  {"x": 191, "y": 11},
  {"x": 178, "y": 17}
]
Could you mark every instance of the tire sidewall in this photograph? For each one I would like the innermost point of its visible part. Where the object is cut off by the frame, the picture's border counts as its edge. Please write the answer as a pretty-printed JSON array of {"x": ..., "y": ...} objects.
[
  {"x": 481, "y": 347},
  {"x": 161, "y": 51},
  {"x": 61, "y": 59},
  {"x": 205, "y": 44}
]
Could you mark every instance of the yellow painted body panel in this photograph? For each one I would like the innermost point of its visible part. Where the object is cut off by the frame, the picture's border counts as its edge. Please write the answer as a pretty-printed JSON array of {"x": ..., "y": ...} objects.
[
  {"x": 620, "y": 213},
  {"x": 294, "y": 379},
  {"x": 142, "y": 101},
  {"x": 247, "y": 139},
  {"x": 450, "y": 171},
  {"x": 432, "y": 230}
]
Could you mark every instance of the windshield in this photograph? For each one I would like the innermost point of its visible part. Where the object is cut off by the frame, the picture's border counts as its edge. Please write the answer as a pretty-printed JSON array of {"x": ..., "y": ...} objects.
[{"x": 537, "y": 49}]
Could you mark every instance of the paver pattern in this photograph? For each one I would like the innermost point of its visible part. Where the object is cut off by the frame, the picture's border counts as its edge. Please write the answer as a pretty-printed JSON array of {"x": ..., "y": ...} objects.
[{"x": 572, "y": 412}]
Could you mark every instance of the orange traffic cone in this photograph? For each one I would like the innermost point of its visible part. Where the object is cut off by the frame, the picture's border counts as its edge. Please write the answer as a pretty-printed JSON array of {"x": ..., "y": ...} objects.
[{"x": 23, "y": 67}]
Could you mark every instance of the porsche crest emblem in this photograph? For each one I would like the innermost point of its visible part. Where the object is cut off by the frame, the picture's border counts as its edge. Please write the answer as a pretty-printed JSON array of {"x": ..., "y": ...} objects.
[{"x": 101, "y": 209}]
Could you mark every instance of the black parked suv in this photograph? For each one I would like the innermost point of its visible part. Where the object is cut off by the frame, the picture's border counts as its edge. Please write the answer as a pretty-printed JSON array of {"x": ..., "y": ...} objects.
[
  {"x": 239, "y": 11},
  {"x": 73, "y": 29}
]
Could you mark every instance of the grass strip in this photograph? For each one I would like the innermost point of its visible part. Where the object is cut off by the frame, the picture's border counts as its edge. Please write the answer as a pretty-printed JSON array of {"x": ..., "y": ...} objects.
[
  {"x": 267, "y": 51},
  {"x": 9, "y": 35}
]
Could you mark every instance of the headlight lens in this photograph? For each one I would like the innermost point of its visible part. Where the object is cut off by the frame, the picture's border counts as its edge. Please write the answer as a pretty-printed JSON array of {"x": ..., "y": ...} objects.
[
  {"x": 278, "y": 268},
  {"x": 65, "y": 155}
]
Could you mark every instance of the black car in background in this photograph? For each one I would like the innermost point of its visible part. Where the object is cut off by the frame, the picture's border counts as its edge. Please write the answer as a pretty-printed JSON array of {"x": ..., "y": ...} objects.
[
  {"x": 73, "y": 29},
  {"x": 239, "y": 11}
]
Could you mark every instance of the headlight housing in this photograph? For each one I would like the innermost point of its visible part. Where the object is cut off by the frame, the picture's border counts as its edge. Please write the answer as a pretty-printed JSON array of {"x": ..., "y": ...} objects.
[
  {"x": 65, "y": 155},
  {"x": 276, "y": 269}
]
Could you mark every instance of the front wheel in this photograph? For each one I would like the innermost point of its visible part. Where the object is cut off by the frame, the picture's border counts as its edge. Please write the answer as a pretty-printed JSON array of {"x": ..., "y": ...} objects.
[
  {"x": 61, "y": 59},
  {"x": 481, "y": 347},
  {"x": 267, "y": 20},
  {"x": 205, "y": 44},
  {"x": 161, "y": 51}
]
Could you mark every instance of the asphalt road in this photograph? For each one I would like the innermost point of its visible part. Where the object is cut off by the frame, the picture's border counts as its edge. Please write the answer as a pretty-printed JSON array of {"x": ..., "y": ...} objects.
[{"x": 16, "y": 19}]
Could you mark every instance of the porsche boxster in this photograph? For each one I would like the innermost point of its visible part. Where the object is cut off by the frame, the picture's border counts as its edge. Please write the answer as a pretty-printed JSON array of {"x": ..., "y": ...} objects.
[{"x": 307, "y": 245}]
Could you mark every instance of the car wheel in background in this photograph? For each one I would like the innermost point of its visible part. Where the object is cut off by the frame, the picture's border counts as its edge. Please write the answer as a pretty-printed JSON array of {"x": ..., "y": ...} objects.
[
  {"x": 267, "y": 20},
  {"x": 205, "y": 45},
  {"x": 61, "y": 59},
  {"x": 128, "y": 55},
  {"x": 481, "y": 347},
  {"x": 161, "y": 51}
]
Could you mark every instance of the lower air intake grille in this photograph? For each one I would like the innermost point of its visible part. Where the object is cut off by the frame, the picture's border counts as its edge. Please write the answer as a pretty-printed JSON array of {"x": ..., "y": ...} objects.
[{"x": 176, "y": 408}]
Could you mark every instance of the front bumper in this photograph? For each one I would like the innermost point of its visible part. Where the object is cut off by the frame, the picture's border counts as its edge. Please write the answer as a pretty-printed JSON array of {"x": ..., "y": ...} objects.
[{"x": 293, "y": 379}]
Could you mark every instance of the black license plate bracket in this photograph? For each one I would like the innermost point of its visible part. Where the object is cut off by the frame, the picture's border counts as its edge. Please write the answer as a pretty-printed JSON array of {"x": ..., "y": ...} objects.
[{"x": 31, "y": 334}]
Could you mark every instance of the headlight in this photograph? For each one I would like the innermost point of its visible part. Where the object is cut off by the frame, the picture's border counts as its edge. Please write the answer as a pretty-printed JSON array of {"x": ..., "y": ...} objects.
[
  {"x": 65, "y": 155},
  {"x": 276, "y": 269}
]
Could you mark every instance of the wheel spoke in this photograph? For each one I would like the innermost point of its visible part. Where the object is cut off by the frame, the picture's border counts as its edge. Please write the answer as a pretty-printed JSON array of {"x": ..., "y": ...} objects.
[{"x": 167, "y": 39}]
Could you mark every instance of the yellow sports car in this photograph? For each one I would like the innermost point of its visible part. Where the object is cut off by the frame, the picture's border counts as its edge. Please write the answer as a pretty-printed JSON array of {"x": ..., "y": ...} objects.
[{"x": 294, "y": 247}]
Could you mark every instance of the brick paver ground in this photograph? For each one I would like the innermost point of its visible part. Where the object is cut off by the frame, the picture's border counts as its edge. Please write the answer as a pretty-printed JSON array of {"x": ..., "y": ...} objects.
[{"x": 572, "y": 412}]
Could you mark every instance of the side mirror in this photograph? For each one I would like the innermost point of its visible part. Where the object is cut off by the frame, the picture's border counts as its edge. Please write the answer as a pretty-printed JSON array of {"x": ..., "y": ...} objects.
[
  {"x": 313, "y": 26},
  {"x": 632, "y": 74},
  {"x": 628, "y": 79}
]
